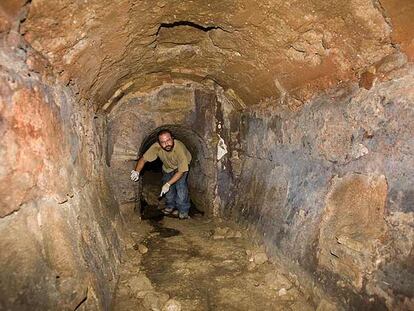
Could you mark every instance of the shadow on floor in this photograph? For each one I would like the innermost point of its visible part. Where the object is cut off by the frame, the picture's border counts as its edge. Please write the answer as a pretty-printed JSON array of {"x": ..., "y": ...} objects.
[{"x": 154, "y": 213}]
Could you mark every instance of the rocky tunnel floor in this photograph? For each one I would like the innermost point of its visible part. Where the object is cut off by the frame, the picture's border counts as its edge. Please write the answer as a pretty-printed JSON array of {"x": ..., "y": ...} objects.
[{"x": 202, "y": 264}]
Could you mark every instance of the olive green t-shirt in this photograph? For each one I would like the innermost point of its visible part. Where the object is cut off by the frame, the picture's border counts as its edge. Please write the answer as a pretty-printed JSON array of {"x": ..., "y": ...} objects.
[{"x": 177, "y": 159}]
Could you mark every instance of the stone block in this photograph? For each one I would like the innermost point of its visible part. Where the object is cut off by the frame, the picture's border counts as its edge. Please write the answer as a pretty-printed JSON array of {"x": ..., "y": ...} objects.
[{"x": 353, "y": 226}]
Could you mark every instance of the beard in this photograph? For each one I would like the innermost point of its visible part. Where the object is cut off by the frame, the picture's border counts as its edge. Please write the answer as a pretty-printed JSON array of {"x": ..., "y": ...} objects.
[{"x": 168, "y": 148}]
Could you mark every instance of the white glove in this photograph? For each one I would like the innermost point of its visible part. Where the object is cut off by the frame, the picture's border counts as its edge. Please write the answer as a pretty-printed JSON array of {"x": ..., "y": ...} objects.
[
  {"x": 134, "y": 175},
  {"x": 165, "y": 189}
]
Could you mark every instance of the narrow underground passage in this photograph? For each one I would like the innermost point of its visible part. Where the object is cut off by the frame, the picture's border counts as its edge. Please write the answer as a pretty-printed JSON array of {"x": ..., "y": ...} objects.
[
  {"x": 299, "y": 118},
  {"x": 197, "y": 263},
  {"x": 147, "y": 195}
]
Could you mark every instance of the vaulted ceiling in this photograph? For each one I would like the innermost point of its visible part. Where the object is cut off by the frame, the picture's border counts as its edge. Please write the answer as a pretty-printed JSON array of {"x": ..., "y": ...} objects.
[{"x": 258, "y": 49}]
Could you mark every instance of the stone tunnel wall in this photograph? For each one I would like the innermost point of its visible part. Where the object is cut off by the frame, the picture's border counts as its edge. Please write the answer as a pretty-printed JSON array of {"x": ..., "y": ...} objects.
[
  {"x": 58, "y": 222},
  {"x": 293, "y": 173},
  {"x": 330, "y": 186},
  {"x": 188, "y": 110}
]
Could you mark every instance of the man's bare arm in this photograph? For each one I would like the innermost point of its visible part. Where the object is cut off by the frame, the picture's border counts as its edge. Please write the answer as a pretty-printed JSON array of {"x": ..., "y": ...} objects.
[
  {"x": 175, "y": 178},
  {"x": 140, "y": 164}
]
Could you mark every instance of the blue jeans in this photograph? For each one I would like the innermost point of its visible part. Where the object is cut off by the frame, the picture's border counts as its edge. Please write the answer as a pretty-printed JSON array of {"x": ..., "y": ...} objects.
[{"x": 177, "y": 197}]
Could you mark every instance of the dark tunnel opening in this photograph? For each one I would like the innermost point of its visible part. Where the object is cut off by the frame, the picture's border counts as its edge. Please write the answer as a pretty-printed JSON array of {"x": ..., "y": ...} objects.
[{"x": 148, "y": 202}]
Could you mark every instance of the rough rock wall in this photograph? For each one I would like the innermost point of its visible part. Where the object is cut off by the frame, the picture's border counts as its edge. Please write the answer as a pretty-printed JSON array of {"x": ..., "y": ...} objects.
[
  {"x": 188, "y": 110},
  {"x": 59, "y": 244},
  {"x": 330, "y": 186}
]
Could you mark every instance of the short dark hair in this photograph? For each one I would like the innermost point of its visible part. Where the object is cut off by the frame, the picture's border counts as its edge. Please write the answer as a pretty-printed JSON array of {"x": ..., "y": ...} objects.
[{"x": 162, "y": 132}]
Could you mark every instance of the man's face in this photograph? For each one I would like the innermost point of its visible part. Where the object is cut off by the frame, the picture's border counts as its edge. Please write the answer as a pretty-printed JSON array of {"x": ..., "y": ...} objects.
[{"x": 166, "y": 142}]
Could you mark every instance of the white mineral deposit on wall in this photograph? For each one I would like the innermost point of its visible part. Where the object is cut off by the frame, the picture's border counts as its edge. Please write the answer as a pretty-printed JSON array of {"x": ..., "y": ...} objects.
[{"x": 221, "y": 148}]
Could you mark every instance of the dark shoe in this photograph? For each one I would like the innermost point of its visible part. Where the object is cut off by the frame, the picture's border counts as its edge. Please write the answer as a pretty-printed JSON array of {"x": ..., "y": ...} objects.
[{"x": 168, "y": 211}]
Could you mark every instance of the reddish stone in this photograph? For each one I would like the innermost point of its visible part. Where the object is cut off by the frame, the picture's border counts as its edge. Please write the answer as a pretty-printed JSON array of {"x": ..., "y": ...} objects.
[{"x": 367, "y": 80}]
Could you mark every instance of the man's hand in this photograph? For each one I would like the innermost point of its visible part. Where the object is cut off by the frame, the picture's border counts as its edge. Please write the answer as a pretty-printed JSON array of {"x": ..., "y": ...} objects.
[
  {"x": 134, "y": 175},
  {"x": 165, "y": 189}
]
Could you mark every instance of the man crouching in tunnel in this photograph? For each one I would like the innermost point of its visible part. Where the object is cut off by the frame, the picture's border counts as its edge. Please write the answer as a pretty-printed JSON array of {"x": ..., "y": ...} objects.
[{"x": 176, "y": 160}]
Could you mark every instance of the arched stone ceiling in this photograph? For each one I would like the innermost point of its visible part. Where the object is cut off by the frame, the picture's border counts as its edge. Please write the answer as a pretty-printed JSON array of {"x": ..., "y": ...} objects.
[{"x": 257, "y": 48}]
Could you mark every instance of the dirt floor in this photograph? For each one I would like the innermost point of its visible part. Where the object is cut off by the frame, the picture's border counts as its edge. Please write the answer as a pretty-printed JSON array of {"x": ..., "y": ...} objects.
[
  {"x": 201, "y": 264},
  {"x": 198, "y": 264}
]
